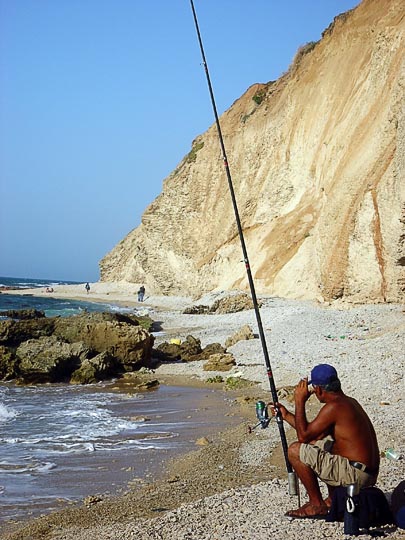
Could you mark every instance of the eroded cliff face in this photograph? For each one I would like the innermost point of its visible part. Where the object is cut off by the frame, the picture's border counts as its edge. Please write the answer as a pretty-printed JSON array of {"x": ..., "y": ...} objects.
[{"x": 318, "y": 164}]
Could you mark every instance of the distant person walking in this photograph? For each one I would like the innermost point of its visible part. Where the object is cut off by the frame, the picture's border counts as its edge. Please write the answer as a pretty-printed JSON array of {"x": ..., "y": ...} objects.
[
  {"x": 87, "y": 287},
  {"x": 141, "y": 293}
]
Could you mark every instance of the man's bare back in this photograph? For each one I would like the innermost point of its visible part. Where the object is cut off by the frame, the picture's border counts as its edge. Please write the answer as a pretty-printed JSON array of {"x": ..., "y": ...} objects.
[{"x": 352, "y": 431}]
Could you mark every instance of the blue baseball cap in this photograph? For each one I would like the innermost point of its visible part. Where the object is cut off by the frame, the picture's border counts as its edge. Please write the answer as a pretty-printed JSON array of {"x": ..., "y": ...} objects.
[{"x": 323, "y": 374}]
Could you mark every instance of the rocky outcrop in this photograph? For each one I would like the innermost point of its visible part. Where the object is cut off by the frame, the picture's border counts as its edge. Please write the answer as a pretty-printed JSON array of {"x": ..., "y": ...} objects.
[
  {"x": 48, "y": 359},
  {"x": 80, "y": 349},
  {"x": 120, "y": 336},
  {"x": 243, "y": 333},
  {"x": 229, "y": 304},
  {"x": 8, "y": 364},
  {"x": 189, "y": 350},
  {"x": 12, "y": 332},
  {"x": 23, "y": 313},
  {"x": 220, "y": 362},
  {"x": 100, "y": 367},
  {"x": 318, "y": 165}
]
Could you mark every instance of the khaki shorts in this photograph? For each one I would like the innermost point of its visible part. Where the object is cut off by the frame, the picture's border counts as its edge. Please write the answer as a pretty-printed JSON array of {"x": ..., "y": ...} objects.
[{"x": 331, "y": 469}]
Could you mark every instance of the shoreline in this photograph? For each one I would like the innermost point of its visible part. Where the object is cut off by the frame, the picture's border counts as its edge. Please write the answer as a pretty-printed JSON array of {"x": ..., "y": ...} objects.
[
  {"x": 121, "y": 294},
  {"x": 177, "y": 479},
  {"x": 364, "y": 342},
  {"x": 195, "y": 411}
]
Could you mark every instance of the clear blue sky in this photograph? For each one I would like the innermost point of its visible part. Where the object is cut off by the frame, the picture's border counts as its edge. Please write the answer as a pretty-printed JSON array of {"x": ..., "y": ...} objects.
[{"x": 101, "y": 99}]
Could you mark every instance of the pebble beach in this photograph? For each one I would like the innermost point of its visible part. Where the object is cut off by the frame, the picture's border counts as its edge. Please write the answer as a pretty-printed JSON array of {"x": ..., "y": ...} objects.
[{"x": 235, "y": 486}]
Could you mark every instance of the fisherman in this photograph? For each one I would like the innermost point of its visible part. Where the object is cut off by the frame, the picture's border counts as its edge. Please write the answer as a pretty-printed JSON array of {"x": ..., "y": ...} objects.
[
  {"x": 339, "y": 446},
  {"x": 87, "y": 287}
]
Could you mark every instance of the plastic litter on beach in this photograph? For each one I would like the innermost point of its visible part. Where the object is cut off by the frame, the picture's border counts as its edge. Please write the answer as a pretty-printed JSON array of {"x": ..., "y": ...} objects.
[{"x": 392, "y": 454}]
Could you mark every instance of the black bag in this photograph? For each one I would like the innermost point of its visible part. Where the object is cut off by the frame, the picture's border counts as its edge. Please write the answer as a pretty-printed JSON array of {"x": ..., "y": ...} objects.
[
  {"x": 374, "y": 510},
  {"x": 398, "y": 504}
]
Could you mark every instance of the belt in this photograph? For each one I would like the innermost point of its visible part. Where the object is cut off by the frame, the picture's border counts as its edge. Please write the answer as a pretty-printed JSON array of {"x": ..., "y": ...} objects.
[{"x": 362, "y": 467}]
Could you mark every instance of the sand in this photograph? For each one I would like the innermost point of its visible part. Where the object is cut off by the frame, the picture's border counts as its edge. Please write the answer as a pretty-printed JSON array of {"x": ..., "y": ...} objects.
[{"x": 235, "y": 487}]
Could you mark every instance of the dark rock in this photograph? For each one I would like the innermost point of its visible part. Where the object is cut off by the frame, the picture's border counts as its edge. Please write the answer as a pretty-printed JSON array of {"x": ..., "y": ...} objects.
[
  {"x": 187, "y": 351},
  {"x": 23, "y": 314},
  {"x": 95, "y": 369},
  {"x": 220, "y": 362},
  {"x": 12, "y": 332},
  {"x": 190, "y": 348},
  {"x": 139, "y": 383},
  {"x": 48, "y": 360},
  {"x": 167, "y": 352},
  {"x": 196, "y": 310},
  {"x": 8, "y": 364},
  {"x": 232, "y": 304},
  {"x": 95, "y": 345},
  {"x": 209, "y": 350},
  {"x": 228, "y": 304},
  {"x": 129, "y": 343}
]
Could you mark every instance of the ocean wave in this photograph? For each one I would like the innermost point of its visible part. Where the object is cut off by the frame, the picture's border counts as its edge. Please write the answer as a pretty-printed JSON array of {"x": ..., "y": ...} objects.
[
  {"x": 7, "y": 413},
  {"x": 133, "y": 445},
  {"x": 73, "y": 448},
  {"x": 30, "y": 283},
  {"x": 33, "y": 466}
]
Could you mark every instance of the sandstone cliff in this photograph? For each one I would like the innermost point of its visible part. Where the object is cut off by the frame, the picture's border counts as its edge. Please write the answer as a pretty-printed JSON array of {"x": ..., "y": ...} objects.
[{"x": 317, "y": 161}]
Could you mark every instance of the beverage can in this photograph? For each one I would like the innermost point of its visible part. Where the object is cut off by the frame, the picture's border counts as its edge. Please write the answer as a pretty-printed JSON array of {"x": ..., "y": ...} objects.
[{"x": 390, "y": 453}]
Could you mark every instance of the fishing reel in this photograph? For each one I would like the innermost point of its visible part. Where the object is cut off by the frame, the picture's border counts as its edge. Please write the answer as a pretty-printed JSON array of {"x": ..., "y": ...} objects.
[{"x": 262, "y": 415}]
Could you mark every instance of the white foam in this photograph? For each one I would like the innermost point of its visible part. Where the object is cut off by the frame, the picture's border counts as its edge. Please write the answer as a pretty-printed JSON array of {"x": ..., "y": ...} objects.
[
  {"x": 7, "y": 413},
  {"x": 44, "y": 467},
  {"x": 33, "y": 466}
]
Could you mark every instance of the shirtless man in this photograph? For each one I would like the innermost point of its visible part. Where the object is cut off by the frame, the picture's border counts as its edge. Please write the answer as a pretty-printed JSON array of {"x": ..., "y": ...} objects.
[{"x": 339, "y": 446}]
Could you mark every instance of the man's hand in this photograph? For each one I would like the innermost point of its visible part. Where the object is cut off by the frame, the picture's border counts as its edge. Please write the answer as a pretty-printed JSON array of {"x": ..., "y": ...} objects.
[
  {"x": 277, "y": 406},
  {"x": 301, "y": 392},
  {"x": 285, "y": 413}
]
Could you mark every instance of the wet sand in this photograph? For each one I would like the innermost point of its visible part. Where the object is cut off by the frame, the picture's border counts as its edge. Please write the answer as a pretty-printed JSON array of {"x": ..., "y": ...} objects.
[{"x": 187, "y": 413}]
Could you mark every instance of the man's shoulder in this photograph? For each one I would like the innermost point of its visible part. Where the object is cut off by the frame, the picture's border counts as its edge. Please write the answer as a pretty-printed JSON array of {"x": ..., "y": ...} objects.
[
  {"x": 342, "y": 404},
  {"x": 336, "y": 405}
]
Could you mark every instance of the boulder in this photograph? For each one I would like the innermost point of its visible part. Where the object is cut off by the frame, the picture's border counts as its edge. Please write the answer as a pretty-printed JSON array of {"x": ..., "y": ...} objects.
[
  {"x": 243, "y": 333},
  {"x": 187, "y": 351},
  {"x": 8, "y": 363},
  {"x": 138, "y": 382},
  {"x": 232, "y": 304},
  {"x": 190, "y": 348},
  {"x": 94, "y": 346},
  {"x": 229, "y": 304},
  {"x": 197, "y": 310},
  {"x": 120, "y": 336},
  {"x": 210, "y": 349},
  {"x": 48, "y": 360},
  {"x": 12, "y": 332},
  {"x": 100, "y": 367},
  {"x": 167, "y": 352},
  {"x": 219, "y": 362}
]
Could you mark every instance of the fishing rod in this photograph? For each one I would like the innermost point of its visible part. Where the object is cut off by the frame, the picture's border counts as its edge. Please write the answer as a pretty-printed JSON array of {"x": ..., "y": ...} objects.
[{"x": 292, "y": 479}]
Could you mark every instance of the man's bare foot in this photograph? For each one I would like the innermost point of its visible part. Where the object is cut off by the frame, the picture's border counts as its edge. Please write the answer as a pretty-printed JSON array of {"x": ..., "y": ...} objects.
[
  {"x": 308, "y": 511},
  {"x": 328, "y": 501}
]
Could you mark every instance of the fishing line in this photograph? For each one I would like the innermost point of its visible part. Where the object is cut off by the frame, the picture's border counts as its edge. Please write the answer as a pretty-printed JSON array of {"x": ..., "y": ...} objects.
[{"x": 292, "y": 480}]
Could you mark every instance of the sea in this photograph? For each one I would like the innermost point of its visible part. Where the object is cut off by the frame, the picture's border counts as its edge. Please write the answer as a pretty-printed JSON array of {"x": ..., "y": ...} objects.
[{"x": 60, "y": 443}]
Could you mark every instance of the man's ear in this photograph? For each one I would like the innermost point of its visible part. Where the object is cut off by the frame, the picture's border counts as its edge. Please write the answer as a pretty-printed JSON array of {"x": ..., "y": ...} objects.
[
  {"x": 321, "y": 391},
  {"x": 318, "y": 391}
]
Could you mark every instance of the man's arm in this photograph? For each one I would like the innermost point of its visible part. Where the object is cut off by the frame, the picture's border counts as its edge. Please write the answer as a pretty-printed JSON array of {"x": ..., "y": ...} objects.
[{"x": 301, "y": 396}]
